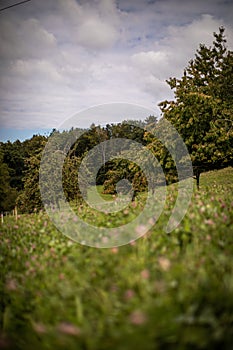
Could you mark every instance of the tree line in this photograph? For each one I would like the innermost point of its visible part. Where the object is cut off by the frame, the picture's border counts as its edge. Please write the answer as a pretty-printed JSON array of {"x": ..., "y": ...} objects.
[{"x": 201, "y": 112}]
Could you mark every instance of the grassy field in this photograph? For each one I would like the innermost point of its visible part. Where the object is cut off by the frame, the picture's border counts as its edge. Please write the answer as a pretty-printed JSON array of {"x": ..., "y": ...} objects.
[{"x": 163, "y": 291}]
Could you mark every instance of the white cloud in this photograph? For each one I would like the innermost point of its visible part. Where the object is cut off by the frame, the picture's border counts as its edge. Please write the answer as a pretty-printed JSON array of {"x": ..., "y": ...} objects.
[
  {"x": 173, "y": 53},
  {"x": 25, "y": 38},
  {"x": 152, "y": 62},
  {"x": 42, "y": 68},
  {"x": 96, "y": 34},
  {"x": 63, "y": 56},
  {"x": 94, "y": 25}
]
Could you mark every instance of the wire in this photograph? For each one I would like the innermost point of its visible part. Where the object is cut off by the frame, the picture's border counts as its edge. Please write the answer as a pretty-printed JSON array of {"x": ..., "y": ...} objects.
[{"x": 18, "y": 3}]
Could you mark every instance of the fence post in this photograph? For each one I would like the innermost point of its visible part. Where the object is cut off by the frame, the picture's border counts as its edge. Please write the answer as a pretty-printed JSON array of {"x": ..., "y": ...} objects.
[
  {"x": 16, "y": 213},
  {"x": 2, "y": 218}
]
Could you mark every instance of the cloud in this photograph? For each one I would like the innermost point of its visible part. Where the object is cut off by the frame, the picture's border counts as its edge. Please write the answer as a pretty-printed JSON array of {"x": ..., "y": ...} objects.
[
  {"x": 42, "y": 68},
  {"x": 25, "y": 38},
  {"x": 57, "y": 57},
  {"x": 96, "y": 34},
  {"x": 94, "y": 25},
  {"x": 172, "y": 53},
  {"x": 151, "y": 62}
]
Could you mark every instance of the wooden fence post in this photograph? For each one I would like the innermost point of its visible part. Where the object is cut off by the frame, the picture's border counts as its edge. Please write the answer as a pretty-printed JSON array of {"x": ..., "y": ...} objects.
[{"x": 16, "y": 213}]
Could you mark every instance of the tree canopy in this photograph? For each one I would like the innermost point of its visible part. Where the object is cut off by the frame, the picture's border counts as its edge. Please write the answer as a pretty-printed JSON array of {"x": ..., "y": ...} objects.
[{"x": 202, "y": 111}]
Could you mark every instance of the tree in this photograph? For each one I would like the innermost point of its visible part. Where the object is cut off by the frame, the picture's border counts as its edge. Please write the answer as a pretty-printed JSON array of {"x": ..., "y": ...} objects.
[
  {"x": 72, "y": 178},
  {"x": 202, "y": 111},
  {"x": 30, "y": 198},
  {"x": 120, "y": 169},
  {"x": 13, "y": 156},
  {"x": 7, "y": 193}
]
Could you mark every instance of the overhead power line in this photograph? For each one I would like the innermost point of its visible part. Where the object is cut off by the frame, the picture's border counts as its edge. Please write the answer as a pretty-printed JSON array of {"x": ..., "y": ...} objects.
[{"x": 18, "y": 3}]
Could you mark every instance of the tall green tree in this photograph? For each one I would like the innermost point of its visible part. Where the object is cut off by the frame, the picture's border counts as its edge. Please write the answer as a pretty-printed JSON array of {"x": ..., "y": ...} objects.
[
  {"x": 202, "y": 111},
  {"x": 13, "y": 156},
  {"x": 30, "y": 198}
]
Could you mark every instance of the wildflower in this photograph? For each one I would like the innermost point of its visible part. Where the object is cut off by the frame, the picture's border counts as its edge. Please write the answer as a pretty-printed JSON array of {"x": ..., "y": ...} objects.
[
  {"x": 152, "y": 221},
  {"x": 164, "y": 263},
  {"x": 145, "y": 274},
  {"x": 137, "y": 318},
  {"x": 105, "y": 239},
  {"x": 141, "y": 229},
  {"x": 11, "y": 285},
  {"x": 68, "y": 328},
  {"x": 209, "y": 222},
  {"x": 61, "y": 276},
  {"x": 202, "y": 209},
  {"x": 114, "y": 250},
  {"x": 129, "y": 294},
  {"x": 39, "y": 328},
  {"x": 224, "y": 217},
  {"x": 27, "y": 264},
  {"x": 134, "y": 204}
]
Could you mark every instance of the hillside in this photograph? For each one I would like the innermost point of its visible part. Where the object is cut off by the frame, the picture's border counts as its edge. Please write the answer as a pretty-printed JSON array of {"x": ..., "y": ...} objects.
[{"x": 163, "y": 291}]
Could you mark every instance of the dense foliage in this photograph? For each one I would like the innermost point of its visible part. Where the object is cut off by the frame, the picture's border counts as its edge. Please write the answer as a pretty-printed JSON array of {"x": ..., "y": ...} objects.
[
  {"x": 7, "y": 193},
  {"x": 203, "y": 108}
]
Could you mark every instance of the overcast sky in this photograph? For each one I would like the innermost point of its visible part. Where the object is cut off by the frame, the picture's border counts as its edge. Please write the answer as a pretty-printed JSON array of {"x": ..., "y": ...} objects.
[{"x": 58, "y": 57}]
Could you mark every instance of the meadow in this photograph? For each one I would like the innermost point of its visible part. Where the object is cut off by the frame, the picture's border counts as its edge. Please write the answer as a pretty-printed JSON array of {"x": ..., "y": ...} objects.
[{"x": 163, "y": 291}]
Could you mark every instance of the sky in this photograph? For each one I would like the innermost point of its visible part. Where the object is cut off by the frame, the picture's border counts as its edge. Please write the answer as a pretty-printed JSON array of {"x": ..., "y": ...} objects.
[{"x": 59, "y": 57}]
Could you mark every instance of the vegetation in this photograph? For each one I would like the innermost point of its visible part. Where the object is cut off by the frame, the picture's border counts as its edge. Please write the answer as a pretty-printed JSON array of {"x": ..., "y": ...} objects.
[
  {"x": 7, "y": 193},
  {"x": 163, "y": 291},
  {"x": 202, "y": 111},
  {"x": 17, "y": 161}
]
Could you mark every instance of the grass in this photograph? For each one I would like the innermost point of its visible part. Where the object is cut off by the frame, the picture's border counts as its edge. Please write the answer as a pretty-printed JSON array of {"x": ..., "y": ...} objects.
[
  {"x": 163, "y": 291},
  {"x": 92, "y": 195}
]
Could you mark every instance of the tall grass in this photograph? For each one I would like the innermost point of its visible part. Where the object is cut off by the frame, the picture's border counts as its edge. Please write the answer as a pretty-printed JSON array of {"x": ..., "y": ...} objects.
[{"x": 163, "y": 291}]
